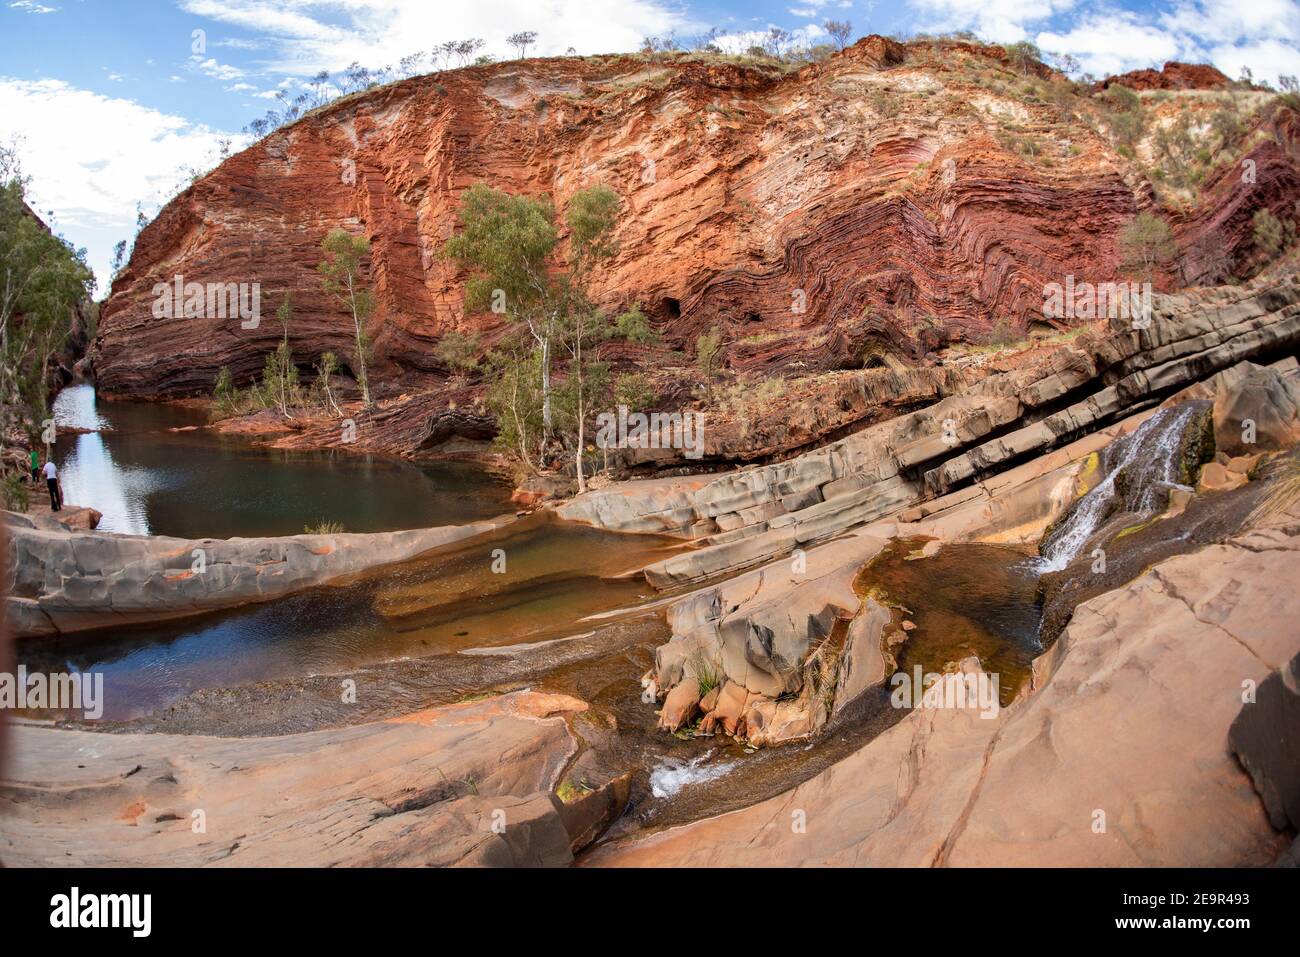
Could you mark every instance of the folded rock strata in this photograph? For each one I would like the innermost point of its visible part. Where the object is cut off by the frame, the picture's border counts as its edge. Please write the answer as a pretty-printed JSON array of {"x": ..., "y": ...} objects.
[{"x": 878, "y": 183}]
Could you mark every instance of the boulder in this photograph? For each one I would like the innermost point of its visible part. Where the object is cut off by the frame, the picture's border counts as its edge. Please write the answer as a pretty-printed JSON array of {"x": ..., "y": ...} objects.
[
  {"x": 1257, "y": 408},
  {"x": 537, "y": 489},
  {"x": 681, "y": 704},
  {"x": 863, "y": 664},
  {"x": 1265, "y": 737},
  {"x": 1217, "y": 478}
]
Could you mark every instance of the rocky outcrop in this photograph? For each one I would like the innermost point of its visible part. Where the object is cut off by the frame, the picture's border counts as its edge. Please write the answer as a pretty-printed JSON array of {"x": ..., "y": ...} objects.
[
  {"x": 463, "y": 785},
  {"x": 1129, "y": 715},
  {"x": 61, "y": 581},
  {"x": 864, "y": 209},
  {"x": 769, "y": 637},
  {"x": 791, "y": 643},
  {"x": 1172, "y": 76}
]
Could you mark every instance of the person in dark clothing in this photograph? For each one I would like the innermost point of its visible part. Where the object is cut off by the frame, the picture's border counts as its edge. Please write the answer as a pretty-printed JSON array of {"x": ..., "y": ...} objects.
[{"x": 52, "y": 482}]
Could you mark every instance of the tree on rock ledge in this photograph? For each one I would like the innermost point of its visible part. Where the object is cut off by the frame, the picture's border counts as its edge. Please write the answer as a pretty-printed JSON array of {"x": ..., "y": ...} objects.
[
  {"x": 1145, "y": 243},
  {"x": 507, "y": 244},
  {"x": 341, "y": 276}
]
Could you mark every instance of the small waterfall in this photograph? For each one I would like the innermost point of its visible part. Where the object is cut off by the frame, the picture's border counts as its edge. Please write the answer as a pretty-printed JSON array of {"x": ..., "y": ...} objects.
[{"x": 1149, "y": 458}]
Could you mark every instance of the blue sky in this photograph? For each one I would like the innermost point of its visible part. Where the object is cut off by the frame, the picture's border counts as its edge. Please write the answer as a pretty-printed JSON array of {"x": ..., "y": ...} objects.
[{"x": 112, "y": 100}]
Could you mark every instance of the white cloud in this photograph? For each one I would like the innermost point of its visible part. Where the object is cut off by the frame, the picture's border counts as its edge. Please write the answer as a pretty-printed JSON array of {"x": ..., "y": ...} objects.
[
  {"x": 306, "y": 36},
  {"x": 1267, "y": 59},
  {"x": 31, "y": 6},
  {"x": 807, "y": 35},
  {"x": 1261, "y": 34},
  {"x": 236, "y": 43},
  {"x": 1002, "y": 21},
  {"x": 1114, "y": 42},
  {"x": 813, "y": 8},
  {"x": 219, "y": 71},
  {"x": 105, "y": 155},
  {"x": 1233, "y": 21}
]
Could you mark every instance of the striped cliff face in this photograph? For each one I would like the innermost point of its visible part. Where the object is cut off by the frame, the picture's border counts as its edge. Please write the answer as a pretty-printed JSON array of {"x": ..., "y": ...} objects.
[{"x": 891, "y": 200}]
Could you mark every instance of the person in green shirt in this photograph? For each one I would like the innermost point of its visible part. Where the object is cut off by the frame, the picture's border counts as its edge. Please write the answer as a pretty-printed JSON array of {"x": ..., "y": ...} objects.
[{"x": 35, "y": 464}]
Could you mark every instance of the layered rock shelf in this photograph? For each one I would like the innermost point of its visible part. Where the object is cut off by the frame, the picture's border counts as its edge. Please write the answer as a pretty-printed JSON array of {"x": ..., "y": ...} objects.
[
  {"x": 63, "y": 581},
  {"x": 752, "y": 515},
  {"x": 465, "y": 785}
]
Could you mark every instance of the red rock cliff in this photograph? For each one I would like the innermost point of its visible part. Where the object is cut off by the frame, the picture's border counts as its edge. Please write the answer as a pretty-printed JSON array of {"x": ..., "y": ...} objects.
[{"x": 879, "y": 188}]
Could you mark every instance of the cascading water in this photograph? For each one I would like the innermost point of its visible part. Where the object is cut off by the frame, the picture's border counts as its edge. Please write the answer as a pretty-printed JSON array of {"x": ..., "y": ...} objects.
[{"x": 1149, "y": 458}]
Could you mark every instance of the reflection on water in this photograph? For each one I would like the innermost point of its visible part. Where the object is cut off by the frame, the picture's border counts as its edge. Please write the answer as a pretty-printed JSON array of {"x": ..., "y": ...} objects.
[
  {"x": 451, "y": 600},
  {"x": 194, "y": 484},
  {"x": 969, "y": 599}
]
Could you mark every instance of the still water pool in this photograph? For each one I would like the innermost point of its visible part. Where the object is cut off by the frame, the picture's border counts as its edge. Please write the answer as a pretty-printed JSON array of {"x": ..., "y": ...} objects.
[{"x": 148, "y": 480}]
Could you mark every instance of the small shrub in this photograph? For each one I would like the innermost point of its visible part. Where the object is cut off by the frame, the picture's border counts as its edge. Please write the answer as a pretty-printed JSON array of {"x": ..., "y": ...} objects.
[
  {"x": 458, "y": 352},
  {"x": 1269, "y": 233},
  {"x": 323, "y": 528},
  {"x": 634, "y": 326},
  {"x": 706, "y": 673},
  {"x": 15, "y": 493},
  {"x": 1001, "y": 334}
]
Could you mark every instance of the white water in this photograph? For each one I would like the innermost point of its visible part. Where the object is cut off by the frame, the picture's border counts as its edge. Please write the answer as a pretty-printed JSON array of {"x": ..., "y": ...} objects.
[
  {"x": 1150, "y": 454},
  {"x": 672, "y": 774}
]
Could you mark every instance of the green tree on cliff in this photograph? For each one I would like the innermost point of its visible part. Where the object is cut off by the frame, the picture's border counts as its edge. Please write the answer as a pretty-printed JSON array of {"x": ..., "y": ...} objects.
[
  {"x": 1145, "y": 243},
  {"x": 514, "y": 396},
  {"x": 592, "y": 217},
  {"x": 341, "y": 275},
  {"x": 506, "y": 243},
  {"x": 42, "y": 280},
  {"x": 280, "y": 375}
]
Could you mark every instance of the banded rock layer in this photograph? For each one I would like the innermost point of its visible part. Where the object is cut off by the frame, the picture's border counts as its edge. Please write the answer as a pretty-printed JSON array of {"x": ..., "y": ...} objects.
[{"x": 876, "y": 189}]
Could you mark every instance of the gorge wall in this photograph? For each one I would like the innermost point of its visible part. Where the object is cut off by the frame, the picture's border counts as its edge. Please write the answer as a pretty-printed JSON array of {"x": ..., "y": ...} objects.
[{"x": 883, "y": 184}]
